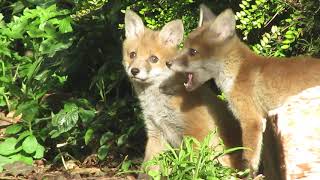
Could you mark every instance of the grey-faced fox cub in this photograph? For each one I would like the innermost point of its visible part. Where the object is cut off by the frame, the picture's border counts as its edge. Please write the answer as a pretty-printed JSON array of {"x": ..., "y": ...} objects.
[
  {"x": 169, "y": 117},
  {"x": 253, "y": 85}
]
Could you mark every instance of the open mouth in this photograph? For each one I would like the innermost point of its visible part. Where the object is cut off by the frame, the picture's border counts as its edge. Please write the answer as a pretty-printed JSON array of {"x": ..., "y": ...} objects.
[
  {"x": 189, "y": 82},
  {"x": 138, "y": 79}
]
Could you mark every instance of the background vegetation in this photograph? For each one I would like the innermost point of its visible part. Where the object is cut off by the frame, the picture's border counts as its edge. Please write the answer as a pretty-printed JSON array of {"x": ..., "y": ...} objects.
[{"x": 63, "y": 93}]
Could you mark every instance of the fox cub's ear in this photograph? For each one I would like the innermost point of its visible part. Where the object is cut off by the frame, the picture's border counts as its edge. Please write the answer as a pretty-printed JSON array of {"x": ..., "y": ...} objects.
[
  {"x": 206, "y": 15},
  {"x": 223, "y": 27},
  {"x": 133, "y": 25},
  {"x": 172, "y": 33}
]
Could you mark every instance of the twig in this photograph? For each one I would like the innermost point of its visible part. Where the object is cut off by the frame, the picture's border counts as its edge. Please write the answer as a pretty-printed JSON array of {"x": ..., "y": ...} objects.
[
  {"x": 63, "y": 162},
  {"x": 274, "y": 16}
]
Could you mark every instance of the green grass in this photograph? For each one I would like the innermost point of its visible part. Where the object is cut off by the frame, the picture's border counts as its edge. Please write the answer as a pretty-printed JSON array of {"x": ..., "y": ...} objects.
[{"x": 193, "y": 160}]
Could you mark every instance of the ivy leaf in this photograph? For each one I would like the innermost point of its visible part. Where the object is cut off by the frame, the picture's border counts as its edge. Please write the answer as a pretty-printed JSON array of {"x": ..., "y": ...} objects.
[
  {"x": 88, "y": 136},
  {"x": 67, "y": 118},
  {"x": 86, "y": 115},
  {"x": 105, "y": 137},
  {"x": 39, "y": 152},
  {"x": 122, "y": 139},
  {"x": 23, "y": 135},
  {"x": 30, "y": 144},
  {"x": 103, "y": 151}
]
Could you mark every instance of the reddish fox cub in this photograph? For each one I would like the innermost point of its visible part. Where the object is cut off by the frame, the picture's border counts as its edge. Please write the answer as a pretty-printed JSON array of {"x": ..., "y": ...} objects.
[
  {"x": 253, "y": 85},
  {"x": 169, "y": 117}
]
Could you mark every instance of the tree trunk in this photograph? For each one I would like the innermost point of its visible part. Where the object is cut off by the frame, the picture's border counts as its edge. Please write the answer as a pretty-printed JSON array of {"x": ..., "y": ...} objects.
[{"x": 292, "y": 139}]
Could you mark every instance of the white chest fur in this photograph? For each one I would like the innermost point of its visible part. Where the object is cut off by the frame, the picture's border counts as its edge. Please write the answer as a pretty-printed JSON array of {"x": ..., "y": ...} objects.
[{"x": 160, "y": 116}]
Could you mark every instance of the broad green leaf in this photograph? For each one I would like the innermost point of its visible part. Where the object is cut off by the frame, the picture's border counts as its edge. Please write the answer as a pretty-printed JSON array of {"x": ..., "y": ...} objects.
[
  {"x": 13, "y": 129},
  {"x": 126, "y": 165},
  {"x": 103, "y": 151},
  {"x": 2, "y": 101},
  {"x": 51, "y": 45},
  {"x": 88, "y": 136},
  {"x": 8, "y": 146},
  {"x": 29, "y": 110},
  {"x": 67, "y": 118},
  {"x": 30, "y": 144},
  {"x": 17, "y": 7},
  {"x": 86, "y": 115},
  {"x": 105, "y": 137},
  {"x": 70, "y": 107},
  {"x": 65, "y": 25},
  {"x": 23, "y": 135},
  {"x": 20, "y": 157},
  {"x": 39, "y": 152}
]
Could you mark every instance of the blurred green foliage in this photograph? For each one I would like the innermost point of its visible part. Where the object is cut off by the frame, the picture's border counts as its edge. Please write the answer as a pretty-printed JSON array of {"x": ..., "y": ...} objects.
[{"x": 60, "y": 67}]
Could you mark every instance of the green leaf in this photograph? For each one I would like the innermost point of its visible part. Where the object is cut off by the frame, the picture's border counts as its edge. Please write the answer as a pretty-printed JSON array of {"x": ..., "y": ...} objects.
[
  {"x": 30, "y": 144},
  {"x": 154, "y": 173},
  {"x": 88, "y": 136},
  {"x": 20, "y": 157},
  {"x": 54, "y": 133},
  {"x": 65, "y": 25},
  {"x": 285, "y": 46},
  {"x": 8, "y": 146},
  {"x": 274, "y": 29},
  {"x": 39, "y": 152},
  {"x": 122, "y": 139},
  {"x": 287, "y": 41},
  {"x": 86, "y": 115},
  {"x": 50, "y": 46},
  {"x": 3, "y": 161},
  {"x": 23, "y": 135},
  {"x": 13, "y": 129},
  {"x": 103, "y": 151},
  {"x": 126, "y": 165},
  {"x": 105, "y": 137},
  {"x": 67, "y": 118},
  {"x": 289, "y": 36},
  {"x": 29, "y": 110},
  {"x": 17, "y": 7}
]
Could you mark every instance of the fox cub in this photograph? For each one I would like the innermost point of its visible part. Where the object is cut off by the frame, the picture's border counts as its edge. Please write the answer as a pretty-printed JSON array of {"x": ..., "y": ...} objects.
[
  {"x": 169, "y": 117},
  {"x": 253, "y": 85}
]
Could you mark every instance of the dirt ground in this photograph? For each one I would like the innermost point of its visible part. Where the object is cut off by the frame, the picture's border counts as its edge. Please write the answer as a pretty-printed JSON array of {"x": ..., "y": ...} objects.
[{"x": 88, "y": 169}]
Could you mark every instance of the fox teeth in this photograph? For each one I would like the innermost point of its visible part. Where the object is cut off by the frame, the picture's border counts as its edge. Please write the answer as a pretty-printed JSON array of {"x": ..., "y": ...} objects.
[{"x": 185, "y": 84}]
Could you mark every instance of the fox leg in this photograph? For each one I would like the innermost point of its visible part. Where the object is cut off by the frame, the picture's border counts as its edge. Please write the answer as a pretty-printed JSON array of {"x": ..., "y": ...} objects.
[
  {"x": 252, "y": 126},
  {"x": 155, "y": 145},
  {"x": 252, "y": 138}
]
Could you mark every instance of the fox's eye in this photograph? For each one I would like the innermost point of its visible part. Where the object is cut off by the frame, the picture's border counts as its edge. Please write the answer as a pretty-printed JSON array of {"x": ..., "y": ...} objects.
[
  {"x": 132, "y": 55},
  {"x": 153, "y": 59},
  {"x": 192, "y": 52}
]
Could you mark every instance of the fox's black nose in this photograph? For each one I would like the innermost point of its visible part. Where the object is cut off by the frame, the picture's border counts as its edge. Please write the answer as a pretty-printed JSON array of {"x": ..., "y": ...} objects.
[
  {"x": 135, "y": 71},
  {"x": 169, "y": 63}
]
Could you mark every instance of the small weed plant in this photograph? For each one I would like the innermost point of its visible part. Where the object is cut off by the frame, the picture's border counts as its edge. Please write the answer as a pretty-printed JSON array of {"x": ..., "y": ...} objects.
[{"x": 193, "y": 160}]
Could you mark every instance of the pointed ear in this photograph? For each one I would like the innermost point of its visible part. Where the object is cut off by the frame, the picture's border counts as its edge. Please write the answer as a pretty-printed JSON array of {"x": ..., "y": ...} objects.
[
  {"x": 223, "y": 27},
  {"x": 172, "y": 33},
  {"x": 133, "y": 25},
  {"x": 206, "y": 15}
]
